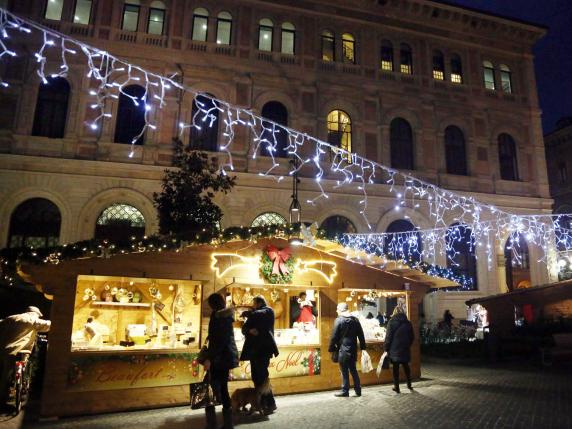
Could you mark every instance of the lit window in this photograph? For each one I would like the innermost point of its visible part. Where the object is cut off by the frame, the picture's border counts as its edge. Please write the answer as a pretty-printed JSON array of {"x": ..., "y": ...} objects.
[
  {"x": 119, "y": 223},
  {"x": 268, "y": 219},
  {"x": 456, "y": 69},
  {"x": 288, "y": 38},
  {"x": 156, "y": 18},
  {"x": 131, "y": 16},
  {"x": 438, "y": 66},
  {"x": 82, "y": 14},
  {"x": 348, "y": 48},
  {"x": 224, "y": 28},
  {"x": 265, "y": 29},
  {"x": 200, "y": 24},
  {"x": 386, "y": 56},
  {"x": 328, "y": 46},
  {"x": 54, "y": 9},
  {"x": 406, "y": 66},
  {"x": 506, "y": 79},
  {"x": 340, "y": 130},
  {"x": 489, "y": 75}
]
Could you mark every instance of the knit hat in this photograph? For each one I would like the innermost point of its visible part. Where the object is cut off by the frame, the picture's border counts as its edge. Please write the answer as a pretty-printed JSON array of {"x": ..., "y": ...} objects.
[{"x": 342, "y": 308}]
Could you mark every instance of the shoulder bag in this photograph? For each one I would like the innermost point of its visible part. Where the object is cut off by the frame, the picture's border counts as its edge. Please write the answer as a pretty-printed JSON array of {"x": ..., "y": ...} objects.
[
  {"x": 202, "y": 393},
  {"x": 336, "y": 354}
]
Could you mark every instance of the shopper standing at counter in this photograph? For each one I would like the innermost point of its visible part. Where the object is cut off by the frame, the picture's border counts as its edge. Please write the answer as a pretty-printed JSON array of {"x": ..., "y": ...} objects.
[
  {"x": 259, "y": 347},
  {"x": 222, "y": 357},
  {"x": 345, "y": 335}
]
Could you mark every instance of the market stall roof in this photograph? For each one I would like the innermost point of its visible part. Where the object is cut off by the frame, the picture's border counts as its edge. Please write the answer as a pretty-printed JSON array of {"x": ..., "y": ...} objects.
[
  {"x": 537, "y": 295},
  {"x": 387, "y": 265}
]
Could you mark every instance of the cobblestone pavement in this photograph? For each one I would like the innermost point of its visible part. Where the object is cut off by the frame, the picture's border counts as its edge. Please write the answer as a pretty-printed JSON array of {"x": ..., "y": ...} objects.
[{"x": 449, "y": 396}]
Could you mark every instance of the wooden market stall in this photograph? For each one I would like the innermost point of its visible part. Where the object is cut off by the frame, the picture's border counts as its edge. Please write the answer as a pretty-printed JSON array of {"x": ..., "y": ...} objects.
[{"x": 126, "y": 329}]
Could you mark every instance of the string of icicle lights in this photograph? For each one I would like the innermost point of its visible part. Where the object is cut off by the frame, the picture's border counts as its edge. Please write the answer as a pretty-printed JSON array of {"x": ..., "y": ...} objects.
[{"x": 110, "y": 76}]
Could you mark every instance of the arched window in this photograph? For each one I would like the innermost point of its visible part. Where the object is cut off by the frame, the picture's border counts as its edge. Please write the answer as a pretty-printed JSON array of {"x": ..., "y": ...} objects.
[
  {"x": 205, "y": 116},
  {"x": 340, "y": 129},
  {"x": 517, "y": 261},
  {"x": 405, "y": 243},
  {"x": 130, "y": 115},
  {"x": 200, "y": 24},
  {"x": 335, "y": 226},
  {"x": 506, "y": 78},
  {"x": 455, "y": 153},
  {"x": 461, "y": 255},
  {"x": 438, "y": 65},
  {"x": 35, "y": 223},
  {"x": 276, "y": 112},
  {"x": 456, "y": 69},
  {"x": 328, "y": 46},
  {"x": 288, "y": 38},
  {"x": 406, "y": 65},
  {"x": 489, "y": 75},
  {"x": 224, "y": 28},
  {"x": 265, "y": 30},
  {"x": 156, "y": 23},
  {"x": 348, "y": 48},
  {"x": 268, "y": 219},
  {"x": 82, "y": 12},
  {"x": 401, "y": 144},
  {"x": 131, "y": 10},
  {"x": 51, "y": 108},
  {"x": 508, "y": 162},
  {"x": 119, "y": 222},
  {"x": 386, "y": 56},
  {"x": 54, "y": 9}
]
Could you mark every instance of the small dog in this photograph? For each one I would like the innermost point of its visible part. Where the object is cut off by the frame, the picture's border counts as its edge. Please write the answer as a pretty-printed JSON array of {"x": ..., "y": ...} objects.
[{"x": 249, "y": 396}]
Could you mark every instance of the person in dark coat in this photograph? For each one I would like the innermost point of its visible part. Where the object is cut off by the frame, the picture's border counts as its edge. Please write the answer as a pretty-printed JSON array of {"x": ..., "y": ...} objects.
[
  {"x": 448, "y": 318},
  {"x": 398, "y": 340},
  {"x": 259, "y": 347},
  {"x": 345, "y": 335},
  {"x": 222, "y": 357}
]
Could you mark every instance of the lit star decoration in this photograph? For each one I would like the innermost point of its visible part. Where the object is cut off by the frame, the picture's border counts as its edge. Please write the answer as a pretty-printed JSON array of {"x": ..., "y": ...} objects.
[{"x": 109, "y": 76}]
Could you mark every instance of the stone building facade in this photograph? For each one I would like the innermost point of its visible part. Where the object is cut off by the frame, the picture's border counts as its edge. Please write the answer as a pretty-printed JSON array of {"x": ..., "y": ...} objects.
[
  {"x": 559, "y": 163},
  {"x": 446, "y": 92}
]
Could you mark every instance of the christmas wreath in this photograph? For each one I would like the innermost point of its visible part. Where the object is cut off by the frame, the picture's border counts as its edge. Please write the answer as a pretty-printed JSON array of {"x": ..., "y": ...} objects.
[{"x": 276, "y": 265}]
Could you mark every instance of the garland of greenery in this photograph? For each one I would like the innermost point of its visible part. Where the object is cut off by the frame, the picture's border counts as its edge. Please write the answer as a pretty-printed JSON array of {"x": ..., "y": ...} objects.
[{"x": 266, "y": 265}]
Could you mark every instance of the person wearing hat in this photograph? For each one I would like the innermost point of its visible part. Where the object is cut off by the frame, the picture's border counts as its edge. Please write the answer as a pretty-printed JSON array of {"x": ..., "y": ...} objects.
[
  {"x": 17, "y": 336},
  {"x": 345, "y": 335}
]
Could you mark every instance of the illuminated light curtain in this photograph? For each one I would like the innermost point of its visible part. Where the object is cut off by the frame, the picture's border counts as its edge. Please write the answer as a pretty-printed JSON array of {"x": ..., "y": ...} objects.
[
  {"x": 205, "y": 138},
  {"x": 348, "y": 48},
  {"x": 403, "y": 246},
  {"x": 336, "y": 226},
  {"x": 328, "y": 46},
  {"x": 224, "y": 28},
  {"x": 340, "y": 130},
  {"x": 120, "y": 222},
  {"x": 288, "y": 38},
  {"x": 35, "y": 223},
  {"x": 517, "y": 261},
  {"x": 265, "y": 31},
  {"x": 268, "y": 219},
  {"x": 276, "y": 112},
  {"x": 386, "y": 56},
  {"x": 461, "y": 247},
  {"x": 200, "y": 24}
]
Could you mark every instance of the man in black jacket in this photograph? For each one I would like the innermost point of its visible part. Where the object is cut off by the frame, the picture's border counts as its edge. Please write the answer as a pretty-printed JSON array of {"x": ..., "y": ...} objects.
[
  {"x": 347, "y": 331},
  {"x": 259, "y": 347}
]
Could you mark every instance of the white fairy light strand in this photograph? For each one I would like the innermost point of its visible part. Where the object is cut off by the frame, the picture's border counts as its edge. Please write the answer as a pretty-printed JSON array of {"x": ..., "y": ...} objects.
[{"x": 112, "y": 76}]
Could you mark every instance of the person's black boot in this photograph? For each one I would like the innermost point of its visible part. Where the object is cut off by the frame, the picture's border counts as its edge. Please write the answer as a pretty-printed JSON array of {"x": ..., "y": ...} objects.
[
  {"x": 210, "y": 414},
  {"x": 396, "y": 388},
  {"x": 227, "y": 418}
]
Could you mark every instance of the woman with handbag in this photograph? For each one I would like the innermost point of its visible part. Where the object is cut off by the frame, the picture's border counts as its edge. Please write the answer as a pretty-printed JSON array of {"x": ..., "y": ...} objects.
[
  {"x": 221, "y": 357},
  {"x": 398, "y": 341}
]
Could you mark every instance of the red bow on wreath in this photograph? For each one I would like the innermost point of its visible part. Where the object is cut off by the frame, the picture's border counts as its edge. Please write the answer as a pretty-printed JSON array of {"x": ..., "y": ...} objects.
[{"x": 279, "y": 258}]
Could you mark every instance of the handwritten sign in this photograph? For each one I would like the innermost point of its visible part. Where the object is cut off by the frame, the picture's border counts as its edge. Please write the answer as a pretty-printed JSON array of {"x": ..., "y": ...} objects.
[
  {"x": 289, "y": 363},
  {"x": 131, "y": 371}
]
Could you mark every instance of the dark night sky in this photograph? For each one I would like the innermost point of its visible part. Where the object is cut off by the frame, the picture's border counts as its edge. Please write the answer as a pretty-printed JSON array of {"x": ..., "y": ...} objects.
[{"x": 553, "y": 53}]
